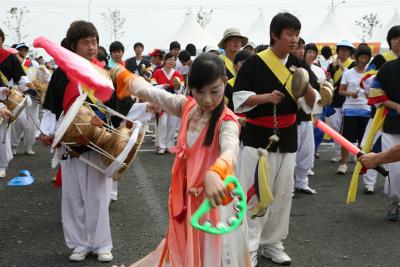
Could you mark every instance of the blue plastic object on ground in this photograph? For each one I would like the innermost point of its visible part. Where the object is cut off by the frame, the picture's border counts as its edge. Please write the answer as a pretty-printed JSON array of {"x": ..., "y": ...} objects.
[{"x": 24, "y": 178}]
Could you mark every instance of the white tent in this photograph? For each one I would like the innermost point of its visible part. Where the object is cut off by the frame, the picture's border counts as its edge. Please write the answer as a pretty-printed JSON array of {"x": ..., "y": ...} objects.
[
  {"x": 380, "y": 36},
  {"x": 329, "y": 31},
  {"x": 259, "y": 30},
  {"x": 191, "y": 32}
]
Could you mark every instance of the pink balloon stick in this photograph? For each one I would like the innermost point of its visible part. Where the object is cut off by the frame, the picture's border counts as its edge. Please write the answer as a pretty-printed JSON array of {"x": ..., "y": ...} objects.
[
  {"x": 77, "y": 68},
  {"x": 337, "y": 137}
]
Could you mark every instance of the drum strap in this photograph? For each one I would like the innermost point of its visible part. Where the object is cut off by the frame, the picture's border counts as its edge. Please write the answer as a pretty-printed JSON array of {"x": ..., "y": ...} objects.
[
  {"x": 4, "y": 78},
  {"x": 278, "y": 69}
]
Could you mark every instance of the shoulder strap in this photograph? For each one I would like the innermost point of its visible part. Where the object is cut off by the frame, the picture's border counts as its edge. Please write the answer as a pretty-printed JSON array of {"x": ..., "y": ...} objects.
[{"x": 280, "y": 71}]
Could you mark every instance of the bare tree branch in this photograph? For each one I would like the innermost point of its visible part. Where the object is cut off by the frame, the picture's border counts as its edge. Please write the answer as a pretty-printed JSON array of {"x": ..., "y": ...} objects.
[
  {"x": 114, "y": 23},
  {"x": 368, "y": 24},
  {"x": 15, "y": 22}
]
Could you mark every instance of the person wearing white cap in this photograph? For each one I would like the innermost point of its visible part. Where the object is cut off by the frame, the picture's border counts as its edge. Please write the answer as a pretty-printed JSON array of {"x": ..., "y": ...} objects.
[
  {"x": 26, "y": 124},
  {"x": 11, "y": 74},
  {"x": 231, "y": 42},
  {"x": 343, "y": 62},
  {"x": 250, "y": 47}
]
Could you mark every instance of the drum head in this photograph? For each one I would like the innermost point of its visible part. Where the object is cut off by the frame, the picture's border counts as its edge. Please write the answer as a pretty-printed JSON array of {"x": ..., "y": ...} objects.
[
  {"x": 300, "y": 82},
  {"x": 132, "y": 154},
  {"x": 68, "y": 119}
]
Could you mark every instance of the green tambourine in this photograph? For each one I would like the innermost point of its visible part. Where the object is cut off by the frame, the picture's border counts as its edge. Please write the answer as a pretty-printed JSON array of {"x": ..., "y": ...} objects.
[{"x": 238, "y": 196}]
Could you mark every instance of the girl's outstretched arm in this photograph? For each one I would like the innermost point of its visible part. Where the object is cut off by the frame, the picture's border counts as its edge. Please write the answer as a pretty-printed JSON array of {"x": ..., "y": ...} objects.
[{"x": 131, "y": 84}]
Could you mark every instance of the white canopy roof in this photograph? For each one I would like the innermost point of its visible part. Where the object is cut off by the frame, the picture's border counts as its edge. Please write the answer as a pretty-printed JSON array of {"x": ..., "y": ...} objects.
[
  {"x": 330, "y": 31},
  {"x": 191, "y": 32},
  {"x": 259, "y": 30},
  {"x": 380, "y": 35}
]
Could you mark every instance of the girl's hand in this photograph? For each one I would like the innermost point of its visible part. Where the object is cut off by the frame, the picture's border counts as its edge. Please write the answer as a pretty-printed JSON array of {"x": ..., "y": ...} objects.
[
  {"x": 354, "y": 94},
  {"x": 214, "y": 188}
]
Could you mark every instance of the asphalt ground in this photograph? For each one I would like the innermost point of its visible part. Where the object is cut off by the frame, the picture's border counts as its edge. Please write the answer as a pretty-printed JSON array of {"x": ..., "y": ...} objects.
[{"x": 324, "y": 231}]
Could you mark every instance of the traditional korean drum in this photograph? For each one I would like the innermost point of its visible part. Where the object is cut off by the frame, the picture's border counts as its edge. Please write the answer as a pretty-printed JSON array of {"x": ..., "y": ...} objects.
[
  {"x": 40, "y": 80},
  {"x": 16, "y": 102},
  {"x": 118, "y": 146}
]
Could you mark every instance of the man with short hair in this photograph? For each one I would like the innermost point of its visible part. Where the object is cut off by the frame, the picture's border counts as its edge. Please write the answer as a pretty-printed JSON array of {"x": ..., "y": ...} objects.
[
  {"x": 175, "y": 48},
  {"x": 137, "y": 64},
  {"x": 261, "y": 93},
  {"x": 231, "y": 42},
  {"x": 117, "y": 50}
]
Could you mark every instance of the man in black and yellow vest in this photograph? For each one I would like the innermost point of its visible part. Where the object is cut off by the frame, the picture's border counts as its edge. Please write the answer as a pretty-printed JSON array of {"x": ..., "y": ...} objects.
[
  {"x": 263, "y": 92},
  {"x": 231, "y": 42}
]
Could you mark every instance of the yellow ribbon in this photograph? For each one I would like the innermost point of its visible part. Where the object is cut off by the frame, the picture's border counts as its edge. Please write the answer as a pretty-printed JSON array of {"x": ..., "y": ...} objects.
[
  {"x": 4, "y": 78},
  {"x": 93, "y": 99},
  {"x": 376, "y": 125},
  {"x": 278, "y": 69},
  {"x": 264, "y": 190},
  {"x": 229, "y": 64},
  {"x": 338, "y": 74}
]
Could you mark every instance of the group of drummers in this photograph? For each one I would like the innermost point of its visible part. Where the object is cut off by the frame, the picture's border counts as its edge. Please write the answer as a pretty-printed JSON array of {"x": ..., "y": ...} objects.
[{"x": 275, "y": 92}]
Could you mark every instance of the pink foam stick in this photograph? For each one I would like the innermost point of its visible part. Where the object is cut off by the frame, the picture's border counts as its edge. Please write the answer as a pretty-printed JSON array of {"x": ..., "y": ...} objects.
[
  {"x": 337, "y": 137},
  {"x": 77, "y": 68}
]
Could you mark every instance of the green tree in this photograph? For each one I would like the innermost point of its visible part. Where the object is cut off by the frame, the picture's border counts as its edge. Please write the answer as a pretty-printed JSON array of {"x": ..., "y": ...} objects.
[
  {"x": 368, "y": 24},
  {"x": 15, "y": 23}
]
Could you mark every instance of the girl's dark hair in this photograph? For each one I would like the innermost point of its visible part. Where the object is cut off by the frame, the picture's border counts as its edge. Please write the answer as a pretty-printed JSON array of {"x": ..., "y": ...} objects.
[
  {"x": 326, "y": 52},
  {"x": 363, "y": 50},
  {"x": 2, "y": 35},
  {"x": 169, "y": 55},
  {"x": 283, "y": 21},
  {"x": 80, "y": 29},
  {"x": 116, "y": 46},
  {"x": 242, "y": 55},
  {"x": 205, "y": 70},
  {"x": 102, "y": 55},
  {"x": 310, "y": 46},
  {"x": 261, "y": 47}
]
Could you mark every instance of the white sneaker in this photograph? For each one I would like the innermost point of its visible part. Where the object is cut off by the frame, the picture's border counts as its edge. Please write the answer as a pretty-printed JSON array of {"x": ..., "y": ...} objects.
[
  {"x": 30, "y": 152},
  {"x": 342, "y": 169},
  {"x": 2, "y": 173},
  {"x": 14, "y": 151},
  {"x": 277, "y": 255},
  {"x": 78, "y": 256},
  {"x": 310, "y": 172},
  {"x": 161, "y": 151},
  {"x": 336, "y": 159},
  {"x": 105, "y": 257}
]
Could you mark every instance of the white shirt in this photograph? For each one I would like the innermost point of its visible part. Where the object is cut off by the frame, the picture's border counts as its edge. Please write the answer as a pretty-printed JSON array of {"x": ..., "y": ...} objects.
[
  {"x": 352, "y": 79},
  {"x": 319, "y": 72}
]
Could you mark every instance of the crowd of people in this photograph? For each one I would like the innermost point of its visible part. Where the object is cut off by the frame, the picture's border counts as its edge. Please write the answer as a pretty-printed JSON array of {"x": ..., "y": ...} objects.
[{"x": 230, "y": 109}]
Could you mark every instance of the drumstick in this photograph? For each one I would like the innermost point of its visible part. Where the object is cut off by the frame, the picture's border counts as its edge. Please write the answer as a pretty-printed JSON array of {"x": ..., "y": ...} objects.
[
  {"x": 37, "y": 126},
  {"x": 346, "y": 144}
]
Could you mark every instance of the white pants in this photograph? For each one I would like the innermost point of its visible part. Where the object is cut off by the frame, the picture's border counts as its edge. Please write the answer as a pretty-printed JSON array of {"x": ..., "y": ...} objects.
[
  {"x": 24, "y": 126},
  {"x": 5, "y": 148},
  {"x": 392, "y": 183},
  {"x": 305, "y": 154},
  {"x": 84, "y": 205},
  {"x": 335, "y": 121},
  {"x": 273, "y": 227},
  {"x": 370, "y": 177},
  {"x": 166, "y": 127}
]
